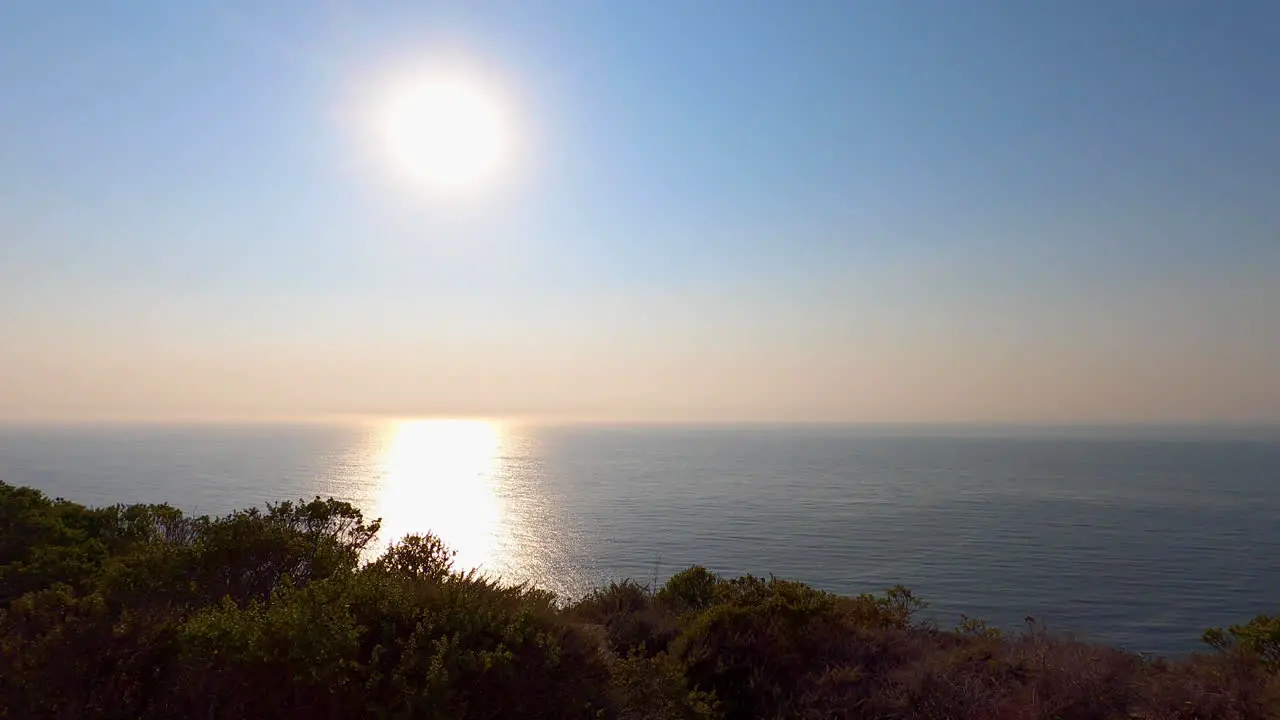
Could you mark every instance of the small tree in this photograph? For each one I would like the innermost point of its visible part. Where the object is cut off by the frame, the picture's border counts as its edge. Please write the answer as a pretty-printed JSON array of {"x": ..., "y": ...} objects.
[{"x": 1260, "y": 638}]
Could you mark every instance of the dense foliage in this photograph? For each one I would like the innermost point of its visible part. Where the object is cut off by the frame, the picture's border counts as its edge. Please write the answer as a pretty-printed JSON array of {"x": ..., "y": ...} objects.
[{"x": 143, "y": 612}]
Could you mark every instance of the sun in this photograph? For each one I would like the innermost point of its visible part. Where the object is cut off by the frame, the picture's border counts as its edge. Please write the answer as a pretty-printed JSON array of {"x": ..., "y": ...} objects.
[{"x": 448, "y": 130}]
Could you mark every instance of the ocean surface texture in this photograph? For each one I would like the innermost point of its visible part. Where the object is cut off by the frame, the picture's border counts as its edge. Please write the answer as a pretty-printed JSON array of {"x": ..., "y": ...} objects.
[{"x": 1137, "y": 538}]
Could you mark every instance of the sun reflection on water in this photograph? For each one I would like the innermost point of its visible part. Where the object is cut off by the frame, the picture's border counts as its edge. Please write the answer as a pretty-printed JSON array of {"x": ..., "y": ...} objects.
[{"x": 441, "y": 476}]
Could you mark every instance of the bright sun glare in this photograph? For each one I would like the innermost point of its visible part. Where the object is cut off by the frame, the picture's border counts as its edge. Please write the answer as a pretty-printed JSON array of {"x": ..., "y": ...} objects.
[
  {"x": 440, "y": 478},
  {"x": 447, "y": 130}
]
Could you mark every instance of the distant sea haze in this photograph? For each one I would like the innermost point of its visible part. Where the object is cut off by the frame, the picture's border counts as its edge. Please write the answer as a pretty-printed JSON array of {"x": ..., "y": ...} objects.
[{"x": 1134, "y": 536}]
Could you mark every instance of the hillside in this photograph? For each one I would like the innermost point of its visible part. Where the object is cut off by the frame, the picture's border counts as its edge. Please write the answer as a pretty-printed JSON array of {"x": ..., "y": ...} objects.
[{"x": 141, "y": 611}]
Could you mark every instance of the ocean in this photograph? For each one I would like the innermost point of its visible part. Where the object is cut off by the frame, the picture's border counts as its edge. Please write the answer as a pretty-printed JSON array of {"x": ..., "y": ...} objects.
[{"x": 1135, "y": 537}]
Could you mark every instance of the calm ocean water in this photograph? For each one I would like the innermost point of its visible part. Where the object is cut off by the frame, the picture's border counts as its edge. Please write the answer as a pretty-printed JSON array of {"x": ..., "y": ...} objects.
[{"x": 1136, "y": 538}]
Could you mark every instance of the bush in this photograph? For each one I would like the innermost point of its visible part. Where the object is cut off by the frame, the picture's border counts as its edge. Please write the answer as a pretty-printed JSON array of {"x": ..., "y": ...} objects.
[
  {"x": 618, "y": 598},
  {"x": 139, "y": 612},
  {"x": 142, "y": 612},
  {"x": 690, "y": 590},
  {"x": 761, "y": 643},
  {"x": 655, "y": 688},
  {"x": 1259, "y": 638},
  {"x": 630, "y": 618}
]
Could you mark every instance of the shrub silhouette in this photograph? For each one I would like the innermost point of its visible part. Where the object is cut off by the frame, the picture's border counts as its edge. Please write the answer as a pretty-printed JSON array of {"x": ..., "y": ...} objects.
[
  {"x": 1259, "y": 638},
  {"x": 143, "y": 612},
  {"x": 690, "y": 589}
]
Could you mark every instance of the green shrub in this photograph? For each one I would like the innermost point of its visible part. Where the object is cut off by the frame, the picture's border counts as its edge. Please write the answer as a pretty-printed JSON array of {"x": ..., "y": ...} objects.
[
  {"x": 760, "y": 642},
  {"x": 691, "y": 589},
  {"x": 465, "y": 646},
  {"x": 617, "y": 598},
  {"x": 896, "y": 608},
  {"x": 655, "y": 688},
  {"x": 297, "y": 649},
  {"x": 631, "y": 618},
  {"x": 1260, "y": 638},
  {"x": 417, "y": 556},
  {"x": 247, "y": 553},
  {"x": 63, "y": 655},
  {"x": 45, "y": 542},
  {"x": 977, "y": 628},
  {"x": 141, "y": 612}
]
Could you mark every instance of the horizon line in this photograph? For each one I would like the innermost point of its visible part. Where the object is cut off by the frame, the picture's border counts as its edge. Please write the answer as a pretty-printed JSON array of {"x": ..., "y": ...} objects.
[{"x": 600, "y": 420}]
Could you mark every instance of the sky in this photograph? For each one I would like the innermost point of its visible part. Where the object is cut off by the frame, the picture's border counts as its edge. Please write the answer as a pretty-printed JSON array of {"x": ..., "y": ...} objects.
[{"x": 876, "y": 211}]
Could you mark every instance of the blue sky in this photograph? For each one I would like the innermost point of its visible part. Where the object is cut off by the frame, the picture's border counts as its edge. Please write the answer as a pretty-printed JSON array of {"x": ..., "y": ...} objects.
[{"x": 876, "y": 211}]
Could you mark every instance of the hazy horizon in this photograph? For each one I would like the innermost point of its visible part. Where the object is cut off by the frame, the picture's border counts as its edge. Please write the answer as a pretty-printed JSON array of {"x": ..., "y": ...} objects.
[
  {"x": 925, "y": 213},
  {"x": 1137, "y": 430}
]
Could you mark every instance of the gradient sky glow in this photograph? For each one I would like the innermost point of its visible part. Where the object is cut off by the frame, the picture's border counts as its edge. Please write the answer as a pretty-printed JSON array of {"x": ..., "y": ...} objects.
[{"x": 854, "y": 211}]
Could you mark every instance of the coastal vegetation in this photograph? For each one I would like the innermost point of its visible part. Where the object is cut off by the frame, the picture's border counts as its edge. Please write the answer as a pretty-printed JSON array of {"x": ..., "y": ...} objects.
[{"x": 142, "y": 611}]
